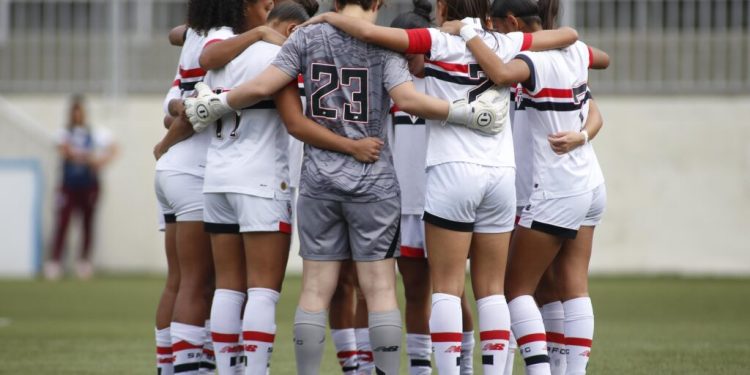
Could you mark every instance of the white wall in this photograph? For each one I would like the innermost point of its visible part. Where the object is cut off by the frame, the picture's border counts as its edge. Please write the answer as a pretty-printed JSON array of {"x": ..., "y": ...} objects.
[{"x": 677, "y": 170}]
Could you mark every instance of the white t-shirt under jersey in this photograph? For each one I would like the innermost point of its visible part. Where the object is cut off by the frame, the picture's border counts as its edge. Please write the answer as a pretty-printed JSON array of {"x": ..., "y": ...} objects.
[
  {"x": 408, "y": 140},
  {"x": 249, "y": 156},
  {"x": 189, "y": 155},
  {"x": 452, "y": 72},
  {"x": 556, "y": 99}
]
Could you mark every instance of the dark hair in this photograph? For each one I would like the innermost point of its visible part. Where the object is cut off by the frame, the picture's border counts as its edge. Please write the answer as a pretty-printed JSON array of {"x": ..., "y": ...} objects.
[
  {"x": 526, "y": 10},
  {"x": 365, "y": 4},
  {"x": 76, "y": 104},
  {"x": 288, "y": 11},
  {"x": 419, "y": 18},
  {"x": 460, "y": 9},
  {"x": 549, "y": 10},
  {"x": 204, "y": 15},
  {"x": 311, "y": 6}
]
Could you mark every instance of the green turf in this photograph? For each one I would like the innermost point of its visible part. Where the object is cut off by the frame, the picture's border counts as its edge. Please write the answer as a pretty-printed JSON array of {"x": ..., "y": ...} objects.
[{"x": 643, "y": 326}]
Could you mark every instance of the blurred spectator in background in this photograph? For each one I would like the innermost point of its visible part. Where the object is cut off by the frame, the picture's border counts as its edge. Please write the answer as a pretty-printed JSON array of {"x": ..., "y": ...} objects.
[{"x": 85, "y": 151}]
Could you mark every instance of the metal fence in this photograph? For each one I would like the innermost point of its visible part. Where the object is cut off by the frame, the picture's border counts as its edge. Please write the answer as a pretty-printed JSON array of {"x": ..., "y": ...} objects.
[{"x": 120, "y": 46}]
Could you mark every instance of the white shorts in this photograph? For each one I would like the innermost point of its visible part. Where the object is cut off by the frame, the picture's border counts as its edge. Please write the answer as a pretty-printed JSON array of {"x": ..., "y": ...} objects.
[
  {"x": 412, "y": 237},
  {"x": 240, "y": 213},
  {"x": 469, "y": 197},
  {"x": 180, "y": 196},
  {"x": 564, "y": 216}
]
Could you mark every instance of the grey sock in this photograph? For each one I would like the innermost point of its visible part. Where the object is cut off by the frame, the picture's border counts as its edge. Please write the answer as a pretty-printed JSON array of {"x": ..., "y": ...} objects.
[
  {"x": 385, "y": 339},
  {"x": 309, "y": 340}
]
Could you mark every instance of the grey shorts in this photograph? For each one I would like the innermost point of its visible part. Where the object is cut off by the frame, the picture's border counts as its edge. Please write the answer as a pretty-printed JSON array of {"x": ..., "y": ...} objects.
[{"x": 330, "y": 230}]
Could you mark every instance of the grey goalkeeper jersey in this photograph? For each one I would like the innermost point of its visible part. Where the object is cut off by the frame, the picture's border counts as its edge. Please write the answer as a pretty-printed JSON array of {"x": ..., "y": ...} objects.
[{"x": 346, "y": 85}]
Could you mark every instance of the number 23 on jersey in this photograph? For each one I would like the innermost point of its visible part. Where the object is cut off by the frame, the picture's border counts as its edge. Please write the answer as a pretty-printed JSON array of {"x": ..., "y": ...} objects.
[{"x": 332, "y": 79}]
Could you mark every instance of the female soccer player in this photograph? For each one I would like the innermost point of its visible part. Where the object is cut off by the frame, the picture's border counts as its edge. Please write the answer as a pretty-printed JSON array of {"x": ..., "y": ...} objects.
[
  {"x": 568, "y": 195},
  {"x": 344, "y": 204},
  {"x": 463, "y": 219}
]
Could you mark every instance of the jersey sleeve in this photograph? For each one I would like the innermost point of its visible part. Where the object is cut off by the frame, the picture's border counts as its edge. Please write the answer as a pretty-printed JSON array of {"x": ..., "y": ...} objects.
[
  {"x": 395, "y": 70},
  {"x": 173, "y": 93},
  {"x": 528, "y": 58},
  {"x": 289, "y": 59},
  {"x": 217, "y": 35},
  {"x": 518, "y": 42}
]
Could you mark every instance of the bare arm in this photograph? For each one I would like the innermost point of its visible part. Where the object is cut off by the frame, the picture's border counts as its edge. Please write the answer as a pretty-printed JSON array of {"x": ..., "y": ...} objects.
[
  {"x": 564, "y": 142},
  {"x": 387, "y": 37},
  {"x": 179, "y": 130},
  {"x": 599, "y": 59},
  {"x": 177, "y": 35},
  {"x": 498, "y": 71},
  {"x": 366, "y": 150},
  {"x": 218, "y": 54},
  {"x": 267, "y": 83},
  {"x": 175, "y": 107},
  {"x": 411, "y": 101},
  {"x": 553, "y": 39}
]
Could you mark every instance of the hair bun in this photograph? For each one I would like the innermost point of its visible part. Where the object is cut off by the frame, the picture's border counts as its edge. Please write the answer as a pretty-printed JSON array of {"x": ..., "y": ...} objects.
[{"x": 422, "y": 8}]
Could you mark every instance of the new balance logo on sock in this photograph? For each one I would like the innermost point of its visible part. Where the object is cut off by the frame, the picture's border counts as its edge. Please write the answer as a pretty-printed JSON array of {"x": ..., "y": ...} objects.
[
  {"x": 494, "y": 347},
  {"x": 232, "y": 349},
  {"x": 453, "y": 349}
]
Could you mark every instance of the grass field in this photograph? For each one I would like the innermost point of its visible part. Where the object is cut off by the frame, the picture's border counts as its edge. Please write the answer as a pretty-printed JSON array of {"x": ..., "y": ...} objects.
[{"x": 643, "y": 326}]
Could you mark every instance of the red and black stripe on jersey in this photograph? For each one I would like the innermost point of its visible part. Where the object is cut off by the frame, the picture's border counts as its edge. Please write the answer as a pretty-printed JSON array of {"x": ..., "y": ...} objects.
[
  {"x": 461, "y": 74},
  {"x": 550, "y": 99},
  {"x": 189, "y": 77},
  {"x": 402, "y": 118}
]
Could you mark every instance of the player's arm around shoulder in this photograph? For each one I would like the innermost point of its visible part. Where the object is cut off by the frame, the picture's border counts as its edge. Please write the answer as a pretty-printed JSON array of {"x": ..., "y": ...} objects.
[{"x": 365, "y": 150}]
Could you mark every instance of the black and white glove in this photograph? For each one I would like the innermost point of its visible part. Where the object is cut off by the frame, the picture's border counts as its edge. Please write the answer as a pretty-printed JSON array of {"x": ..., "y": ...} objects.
[
  {"x": 206, "y": 108},
  {"x": 487, "y": 114}
]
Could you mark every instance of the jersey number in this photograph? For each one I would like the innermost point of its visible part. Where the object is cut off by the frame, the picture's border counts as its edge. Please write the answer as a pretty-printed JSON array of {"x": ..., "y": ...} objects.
[
  {"x": 356, "y": 109},
  {"x": 474, "y": 73}
]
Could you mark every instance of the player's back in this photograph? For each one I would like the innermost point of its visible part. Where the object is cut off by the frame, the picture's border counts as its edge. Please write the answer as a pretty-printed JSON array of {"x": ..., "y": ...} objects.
[
  {"x": 346, "y": 84},
  {"x": 556, "y": 100}
]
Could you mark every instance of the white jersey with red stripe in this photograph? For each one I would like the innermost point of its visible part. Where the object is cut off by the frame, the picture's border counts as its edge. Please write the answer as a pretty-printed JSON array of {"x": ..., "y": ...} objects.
[
  {"x": 188, "y": 156},
  {"x": 249, "y": 149},
  {"x": 451, "y": 73},
  {"x": 408, "y": 140},
  {"x": 524, "y": 151},
  {"x": 556, "y": 99}
]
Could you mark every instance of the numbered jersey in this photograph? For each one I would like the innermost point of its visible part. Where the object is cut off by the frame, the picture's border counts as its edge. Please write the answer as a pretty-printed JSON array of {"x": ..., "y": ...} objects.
[
  {"x": 556, "y": 99},
  {"x": 188, "y": 156},
  {"x": 409, "y": 144},
  {"x": 346, "y": 85},
  {"x": 249, "y": 149},
  {"x": 451, "y": 73}
]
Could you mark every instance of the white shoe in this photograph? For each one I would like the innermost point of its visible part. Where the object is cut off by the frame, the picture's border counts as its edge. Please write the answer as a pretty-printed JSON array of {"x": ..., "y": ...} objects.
[
  {"x": 84, "y": 270},
  {"x": 52, "y": 271}
]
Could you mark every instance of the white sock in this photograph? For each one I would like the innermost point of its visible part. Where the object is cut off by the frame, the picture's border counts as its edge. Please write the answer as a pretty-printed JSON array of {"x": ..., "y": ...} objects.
[
  {"x": 187, "y": 347},
  {"x": 345, "y": 342},
  {"x": 445, "y": 329},
  {"x": 259, "y": 329},
  {"x": 527, "y": 325},
  {"x": 364, "y": 351},
  {"x": 164, "y": 358},
  {"x": 512, "y": 347},
  {"x": 419, "y": 350},
  {"x": 226, "y": 327},
  {"x": 467, "y": 353},
  {"x": 208, "y": 362},
  {"x": 579, "y": 333},
  {"x": 494, "y": 333},
  {"x": 553, "y": 316}
]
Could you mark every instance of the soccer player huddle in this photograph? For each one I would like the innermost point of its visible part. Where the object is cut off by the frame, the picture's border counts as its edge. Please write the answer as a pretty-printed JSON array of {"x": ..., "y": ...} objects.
[{"x": 411, "y": 146}]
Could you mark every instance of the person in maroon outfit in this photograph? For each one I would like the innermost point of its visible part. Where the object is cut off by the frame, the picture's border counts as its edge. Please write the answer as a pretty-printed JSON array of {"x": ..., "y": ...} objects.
[{"x": 84, "y": 152}]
